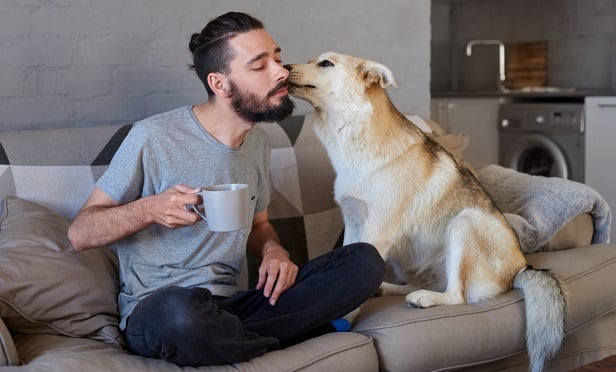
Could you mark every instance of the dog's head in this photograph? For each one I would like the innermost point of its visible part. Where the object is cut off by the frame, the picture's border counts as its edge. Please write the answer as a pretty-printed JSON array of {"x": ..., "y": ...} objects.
[{"x": 335, "y": 80}]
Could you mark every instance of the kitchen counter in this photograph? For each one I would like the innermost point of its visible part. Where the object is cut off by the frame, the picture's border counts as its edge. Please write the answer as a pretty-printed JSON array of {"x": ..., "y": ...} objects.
[{"x": 543, "y": 93}]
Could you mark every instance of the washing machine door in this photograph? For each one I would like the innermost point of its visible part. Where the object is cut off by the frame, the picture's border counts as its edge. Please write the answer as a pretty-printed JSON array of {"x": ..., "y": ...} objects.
[{"x": 538, "y": 155}]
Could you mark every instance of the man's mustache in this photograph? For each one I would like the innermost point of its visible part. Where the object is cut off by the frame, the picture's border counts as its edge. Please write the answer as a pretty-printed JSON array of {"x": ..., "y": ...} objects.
[{"x": 280, "y": 85}]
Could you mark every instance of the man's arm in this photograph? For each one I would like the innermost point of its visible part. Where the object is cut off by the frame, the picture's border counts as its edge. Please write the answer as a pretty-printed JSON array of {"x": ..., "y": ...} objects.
[
  {"x": 102, "y": 221},
  {"x": 277, "y": 272}
]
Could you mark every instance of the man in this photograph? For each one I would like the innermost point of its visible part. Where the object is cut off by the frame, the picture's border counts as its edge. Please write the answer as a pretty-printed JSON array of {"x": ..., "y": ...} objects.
[{"x": 178, "y": 296}]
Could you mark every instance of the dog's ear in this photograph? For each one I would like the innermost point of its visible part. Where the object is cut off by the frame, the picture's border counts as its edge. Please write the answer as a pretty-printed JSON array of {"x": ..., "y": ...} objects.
[{"x": 375, "y": 73}]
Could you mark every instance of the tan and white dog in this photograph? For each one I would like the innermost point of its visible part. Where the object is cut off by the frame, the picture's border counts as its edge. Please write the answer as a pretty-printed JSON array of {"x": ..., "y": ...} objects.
[{"x": 418, "y": 204}]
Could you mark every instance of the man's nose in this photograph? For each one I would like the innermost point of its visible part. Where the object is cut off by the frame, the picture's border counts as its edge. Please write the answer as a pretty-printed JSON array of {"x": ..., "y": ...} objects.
[{"x": 284, "y": 71}]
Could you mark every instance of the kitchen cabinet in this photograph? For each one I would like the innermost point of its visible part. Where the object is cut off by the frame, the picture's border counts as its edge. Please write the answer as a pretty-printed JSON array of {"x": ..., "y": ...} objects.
[
  {"x": 600, "y": 114},
  {"x": 476, "y": 117}
]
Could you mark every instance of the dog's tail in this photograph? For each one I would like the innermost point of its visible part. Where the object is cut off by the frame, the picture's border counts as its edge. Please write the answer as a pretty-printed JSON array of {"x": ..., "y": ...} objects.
[{"x": 546, "y": 304}]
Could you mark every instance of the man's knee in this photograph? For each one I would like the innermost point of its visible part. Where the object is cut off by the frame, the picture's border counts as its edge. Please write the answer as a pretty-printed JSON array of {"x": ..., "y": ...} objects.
[
  {"x": 182, "y": 306},
  {"x": 368, "y": 256},
  {"x": 368, "y": 260},
  {"x": 171, "y": 309}
]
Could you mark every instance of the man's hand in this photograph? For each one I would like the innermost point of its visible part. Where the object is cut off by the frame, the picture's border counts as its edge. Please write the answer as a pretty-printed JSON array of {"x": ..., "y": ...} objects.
[
  {"x": 169, "y": 207},
  {"x": 277, "y": 273}
]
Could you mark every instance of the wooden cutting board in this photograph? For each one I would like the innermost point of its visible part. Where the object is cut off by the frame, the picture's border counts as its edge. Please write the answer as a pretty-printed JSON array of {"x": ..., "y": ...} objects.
[{"x": 526, "y": 64}]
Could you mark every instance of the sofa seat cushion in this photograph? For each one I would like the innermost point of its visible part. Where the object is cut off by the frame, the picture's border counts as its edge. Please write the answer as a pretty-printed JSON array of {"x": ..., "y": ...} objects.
[
  {"x": 45, "y": 285},
  {"x": 340, "y": 352},
  {"x": 465, "y": 335}
]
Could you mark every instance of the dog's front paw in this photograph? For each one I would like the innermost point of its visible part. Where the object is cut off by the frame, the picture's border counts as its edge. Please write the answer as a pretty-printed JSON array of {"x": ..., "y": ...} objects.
[{"x": 420, "y": 299}]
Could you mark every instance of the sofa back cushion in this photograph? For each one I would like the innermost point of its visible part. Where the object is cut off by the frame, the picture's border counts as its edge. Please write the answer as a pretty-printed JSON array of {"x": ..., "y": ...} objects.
[
  {"x": 302, "y": 211},
  {"x": 48, "y": 287},
  {"x": 57, "y": 168}
]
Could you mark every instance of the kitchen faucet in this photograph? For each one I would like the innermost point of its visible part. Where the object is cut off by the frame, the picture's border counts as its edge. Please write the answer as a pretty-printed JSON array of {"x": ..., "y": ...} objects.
[{"x": 501, "y": 57}]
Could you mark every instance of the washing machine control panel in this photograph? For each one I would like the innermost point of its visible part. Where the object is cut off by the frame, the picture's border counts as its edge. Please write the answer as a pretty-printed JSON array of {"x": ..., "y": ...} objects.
[{"x": 544, "y": 117}]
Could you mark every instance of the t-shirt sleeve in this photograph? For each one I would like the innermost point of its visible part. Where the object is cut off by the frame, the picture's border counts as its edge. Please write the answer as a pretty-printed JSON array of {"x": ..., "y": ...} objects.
[{"x": 123, "y": 180}]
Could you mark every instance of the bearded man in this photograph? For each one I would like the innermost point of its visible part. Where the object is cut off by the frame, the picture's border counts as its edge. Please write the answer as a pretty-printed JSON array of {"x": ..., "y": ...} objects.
[{"x": 178, "y": 298}]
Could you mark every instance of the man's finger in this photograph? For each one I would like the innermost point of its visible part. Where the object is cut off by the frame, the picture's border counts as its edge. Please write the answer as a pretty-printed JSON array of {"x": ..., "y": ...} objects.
[
  {"x": 281, "y": 285},
  {"x": 270, "y": 281}
]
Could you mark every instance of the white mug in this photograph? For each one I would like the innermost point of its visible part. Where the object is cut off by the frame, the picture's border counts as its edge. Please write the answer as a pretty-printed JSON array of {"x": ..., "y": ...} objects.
[{"x": 226, "y": 206}]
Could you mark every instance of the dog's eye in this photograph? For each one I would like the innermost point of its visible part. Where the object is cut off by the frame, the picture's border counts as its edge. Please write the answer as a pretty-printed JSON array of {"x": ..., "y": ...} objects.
[{"x": 326, "y": 63}]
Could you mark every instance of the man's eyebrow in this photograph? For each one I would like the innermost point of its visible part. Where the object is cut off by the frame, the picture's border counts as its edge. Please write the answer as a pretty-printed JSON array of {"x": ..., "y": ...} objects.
[{"x": 262, "y": 55}]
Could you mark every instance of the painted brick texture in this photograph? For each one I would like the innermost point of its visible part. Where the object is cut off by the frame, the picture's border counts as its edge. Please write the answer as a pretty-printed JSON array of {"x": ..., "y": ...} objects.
[{"x": 66, "y": 63}]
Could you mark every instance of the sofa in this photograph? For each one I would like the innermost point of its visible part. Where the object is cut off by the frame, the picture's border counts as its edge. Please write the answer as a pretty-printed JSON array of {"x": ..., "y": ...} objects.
[{"x": 58, "y": 309}]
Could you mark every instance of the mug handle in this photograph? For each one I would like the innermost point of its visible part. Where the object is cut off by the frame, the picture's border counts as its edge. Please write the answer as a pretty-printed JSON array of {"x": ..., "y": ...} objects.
[{"x": 196, "y": 209}]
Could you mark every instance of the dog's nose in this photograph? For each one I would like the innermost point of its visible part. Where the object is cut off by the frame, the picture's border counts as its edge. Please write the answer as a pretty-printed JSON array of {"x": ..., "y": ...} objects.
[{"x": 288, "y": 67}]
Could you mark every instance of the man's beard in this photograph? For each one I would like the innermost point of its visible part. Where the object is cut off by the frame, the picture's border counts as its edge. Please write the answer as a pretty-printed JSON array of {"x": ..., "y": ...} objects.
[{"x": 254, "y": 109}]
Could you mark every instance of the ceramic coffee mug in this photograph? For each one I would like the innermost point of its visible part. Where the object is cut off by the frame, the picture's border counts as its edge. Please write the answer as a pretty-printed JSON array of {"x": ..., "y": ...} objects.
[{"x": 226, "y": 206}]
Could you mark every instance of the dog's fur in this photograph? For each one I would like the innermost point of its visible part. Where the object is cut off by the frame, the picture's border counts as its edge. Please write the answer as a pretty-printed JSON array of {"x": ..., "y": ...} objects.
[{"x": 417, "y": 203}]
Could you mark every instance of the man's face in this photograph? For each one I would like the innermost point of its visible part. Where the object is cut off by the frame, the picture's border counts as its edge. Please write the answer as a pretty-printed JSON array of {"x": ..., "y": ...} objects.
[{"x": 257, "y": 78}]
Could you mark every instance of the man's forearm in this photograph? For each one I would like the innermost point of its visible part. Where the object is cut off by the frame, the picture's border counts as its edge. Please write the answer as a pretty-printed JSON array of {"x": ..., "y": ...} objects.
[
  {"x": 262, "y": 239},
  {"x": 103, "y": 221},
  {"x": 98, "y": 226}
]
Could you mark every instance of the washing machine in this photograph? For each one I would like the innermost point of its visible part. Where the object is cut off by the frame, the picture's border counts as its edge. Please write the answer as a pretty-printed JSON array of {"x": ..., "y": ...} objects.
[{"x": 544, "y": 139}]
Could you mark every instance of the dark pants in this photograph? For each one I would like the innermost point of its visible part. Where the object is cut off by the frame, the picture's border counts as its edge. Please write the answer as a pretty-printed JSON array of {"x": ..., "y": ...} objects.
[{"x": 190, "y": 327}]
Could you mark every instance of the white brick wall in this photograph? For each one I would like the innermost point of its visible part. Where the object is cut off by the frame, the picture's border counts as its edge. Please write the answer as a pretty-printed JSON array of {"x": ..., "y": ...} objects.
[{"x": 89, "y": 62}]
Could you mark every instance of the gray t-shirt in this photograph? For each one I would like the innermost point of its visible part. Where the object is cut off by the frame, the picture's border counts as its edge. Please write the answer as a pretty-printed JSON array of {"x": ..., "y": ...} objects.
[{"x": 158, "y": 153}]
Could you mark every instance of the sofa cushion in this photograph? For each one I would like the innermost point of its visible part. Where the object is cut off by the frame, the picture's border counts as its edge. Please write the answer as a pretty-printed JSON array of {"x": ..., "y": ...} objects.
[
  {"x": 337, "y": 351},
  {"x": 8, "y": 352},
  {"x": 68, "y": 161},
  {"x": 444, "y": 337},
  {"x": 46, "y": 286},
  {"x": 302, "y": 211}
]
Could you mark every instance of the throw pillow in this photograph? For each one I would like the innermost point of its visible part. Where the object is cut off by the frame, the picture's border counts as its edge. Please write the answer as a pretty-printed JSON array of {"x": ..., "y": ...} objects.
[{"x": 48, "y": 287}]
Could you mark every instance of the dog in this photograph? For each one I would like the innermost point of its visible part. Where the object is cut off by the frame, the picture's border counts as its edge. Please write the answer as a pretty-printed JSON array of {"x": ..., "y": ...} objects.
[{"x": 443, "y": 238}]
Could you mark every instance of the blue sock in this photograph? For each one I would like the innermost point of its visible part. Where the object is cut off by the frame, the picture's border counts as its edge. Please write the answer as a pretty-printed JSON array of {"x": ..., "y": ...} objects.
[
  {"x": 341, "y": 325},
  {"x": 338, "y": 325}
]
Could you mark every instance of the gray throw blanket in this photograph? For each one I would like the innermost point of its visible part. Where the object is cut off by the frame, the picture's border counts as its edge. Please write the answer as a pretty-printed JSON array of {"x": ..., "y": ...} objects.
[{"x": 537, "y": 207}]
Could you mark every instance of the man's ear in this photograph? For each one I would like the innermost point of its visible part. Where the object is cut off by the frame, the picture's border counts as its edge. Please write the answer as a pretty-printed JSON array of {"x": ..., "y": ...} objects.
[
  {"x": 375, "y": 73},
  {"x": 219, "y": 83}
]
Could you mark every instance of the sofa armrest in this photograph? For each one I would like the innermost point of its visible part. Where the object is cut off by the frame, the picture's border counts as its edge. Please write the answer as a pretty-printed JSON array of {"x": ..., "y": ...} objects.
[
  {"x": 8, "y": 352},
  {"x": 576, "y": 233}
]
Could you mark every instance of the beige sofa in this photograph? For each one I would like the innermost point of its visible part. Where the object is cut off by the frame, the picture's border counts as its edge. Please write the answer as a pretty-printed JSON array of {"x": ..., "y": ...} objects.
[{"x": 58, "y": 307}]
